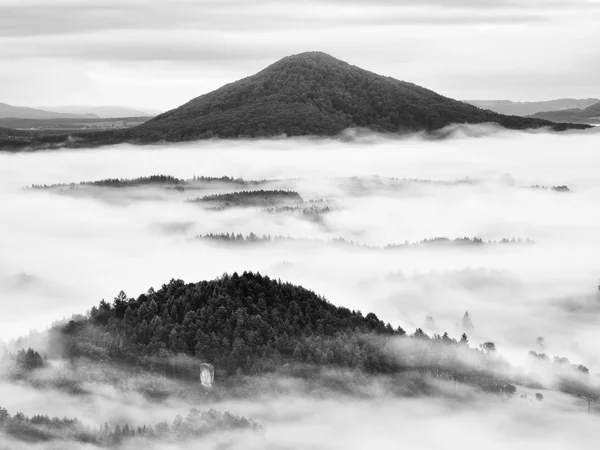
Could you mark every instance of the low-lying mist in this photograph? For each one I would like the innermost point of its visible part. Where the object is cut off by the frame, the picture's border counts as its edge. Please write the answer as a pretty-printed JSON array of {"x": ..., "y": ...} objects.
[{"x": 64, "y": 248}]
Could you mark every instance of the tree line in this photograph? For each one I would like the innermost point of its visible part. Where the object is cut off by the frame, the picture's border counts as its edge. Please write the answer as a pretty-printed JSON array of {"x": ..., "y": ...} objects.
[
  {"x": 197, "y": 424},
  {"x": 153, "y": 179},
  {"x": 267, "y": 238},
  {"x": 251, "y": 198}
]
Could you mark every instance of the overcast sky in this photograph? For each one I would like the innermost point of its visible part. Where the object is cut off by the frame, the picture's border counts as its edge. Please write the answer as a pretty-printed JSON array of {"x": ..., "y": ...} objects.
[{"x": 159, "y": 54}]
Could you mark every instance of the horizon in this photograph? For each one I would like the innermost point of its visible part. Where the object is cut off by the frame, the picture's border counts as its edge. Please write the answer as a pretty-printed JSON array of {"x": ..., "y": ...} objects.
[{"x": 114, "y": 53}]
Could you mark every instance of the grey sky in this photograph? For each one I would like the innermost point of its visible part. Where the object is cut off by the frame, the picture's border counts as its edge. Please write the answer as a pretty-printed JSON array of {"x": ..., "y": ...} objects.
[{"x": 159, "y": 54}]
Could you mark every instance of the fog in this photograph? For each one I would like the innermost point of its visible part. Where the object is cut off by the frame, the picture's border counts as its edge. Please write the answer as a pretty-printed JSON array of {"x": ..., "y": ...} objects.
[{"x": 64, "y": 249}]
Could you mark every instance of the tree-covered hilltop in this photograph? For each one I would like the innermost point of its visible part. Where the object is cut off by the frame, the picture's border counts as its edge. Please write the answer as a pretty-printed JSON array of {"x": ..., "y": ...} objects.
[
  {"x": 250, "y": 324},
  {"x": 315, "y": 94},
  {"x": 245, "y": 322},
  {"x": 308, "y": 94}
]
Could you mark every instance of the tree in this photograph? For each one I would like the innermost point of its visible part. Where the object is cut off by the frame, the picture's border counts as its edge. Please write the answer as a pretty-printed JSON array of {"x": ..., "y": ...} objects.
[
  {"x": 466, "y": 322},
  {"x": 29, "y": 359},
  {"x": 420, "y": 334},
  {"x": 4, "y": 416},
  {"x": 488, "y": 347}
]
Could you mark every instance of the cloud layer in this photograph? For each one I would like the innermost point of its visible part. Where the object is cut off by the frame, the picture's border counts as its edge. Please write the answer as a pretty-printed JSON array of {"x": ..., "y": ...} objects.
[{"x": 64, "y": 249}]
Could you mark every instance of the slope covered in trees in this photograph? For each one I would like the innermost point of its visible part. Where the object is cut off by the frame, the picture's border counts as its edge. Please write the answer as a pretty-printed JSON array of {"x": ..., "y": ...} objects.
[
  {"x": 315, "y": 94},
  {"x": 310, "y": 93},
  {"x": 250, "y": 324}
]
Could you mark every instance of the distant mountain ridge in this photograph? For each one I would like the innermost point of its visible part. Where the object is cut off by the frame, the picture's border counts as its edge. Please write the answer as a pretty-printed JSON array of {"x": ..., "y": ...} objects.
[
  {"x": 24, "y": 112},
  {"x": 530, "y": 108},
  {"x": 589, "y": 115},
  {"x": 103, "y": 112}
]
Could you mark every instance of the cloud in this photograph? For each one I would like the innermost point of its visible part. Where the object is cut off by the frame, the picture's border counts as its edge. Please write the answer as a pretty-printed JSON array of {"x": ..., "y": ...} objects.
[
  {"x": 34, "y": 18},
  {"x": 98, "y": 242},
  {"x": 64, "y": 250}
]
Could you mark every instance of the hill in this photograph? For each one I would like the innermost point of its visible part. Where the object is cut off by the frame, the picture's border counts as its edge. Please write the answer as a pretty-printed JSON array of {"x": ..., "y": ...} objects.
[
  {"x": 237, "y": 322},
  {"x": 103, "y": 112},
  {"x": 253, "y": 325},
  {"x": 314, "y": 94},
  {"x": 530, "y": 108},
  {"x": 22, "y": 112},
  {"x": 300, "y": 95},
  {"x": 589, "y": 115}
]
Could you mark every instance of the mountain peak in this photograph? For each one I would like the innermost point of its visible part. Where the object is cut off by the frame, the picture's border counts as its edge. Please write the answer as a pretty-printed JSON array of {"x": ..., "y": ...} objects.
[
  {"x": 315, "y": 60},
  {"x": 314, "y": 93},
  {"x": 314, "y": 57},
  {"x": 310, "y": 93}
]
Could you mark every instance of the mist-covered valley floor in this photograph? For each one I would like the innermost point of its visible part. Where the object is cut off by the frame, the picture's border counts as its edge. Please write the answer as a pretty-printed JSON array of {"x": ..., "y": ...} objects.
[{"x": 487, "y": 235}]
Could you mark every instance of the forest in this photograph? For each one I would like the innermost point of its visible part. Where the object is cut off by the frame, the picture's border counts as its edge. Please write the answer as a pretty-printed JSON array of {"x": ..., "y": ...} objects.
[
  {"x": 253, "y": 238},
  {"x": 43, "y": 429},
  {"x": 316, "y": 94},
  {"x": 260, "y": 197},
  {"x": 252, "y": 325},
  {"x": 154, "y": 180},
  {"x": 309, "y": 94}
]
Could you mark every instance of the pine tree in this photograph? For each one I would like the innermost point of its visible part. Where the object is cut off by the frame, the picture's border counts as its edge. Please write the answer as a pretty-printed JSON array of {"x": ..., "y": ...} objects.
[{"x": 466, "y": 322}]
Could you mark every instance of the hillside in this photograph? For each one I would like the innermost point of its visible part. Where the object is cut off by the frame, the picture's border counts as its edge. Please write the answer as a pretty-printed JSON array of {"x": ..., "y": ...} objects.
[
  {"x": 245, "y": 322},
  {"x": 589, "y": 115},
  {"x": 314, "y": 94},
  {"x": 250, "y": 324},
  {"x": 530, "y": 108},
  {"x": 22, "y": 112},
  {"x": 306, "y": 94}
]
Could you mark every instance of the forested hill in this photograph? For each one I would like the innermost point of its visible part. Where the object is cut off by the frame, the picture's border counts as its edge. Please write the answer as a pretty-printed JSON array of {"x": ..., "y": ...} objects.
[
  {"x": 251, "y": 324},
  {"x": 306, "y": 94},
  {"x": 245, "y": 322},
  {"x": 315, "y": 94}
]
